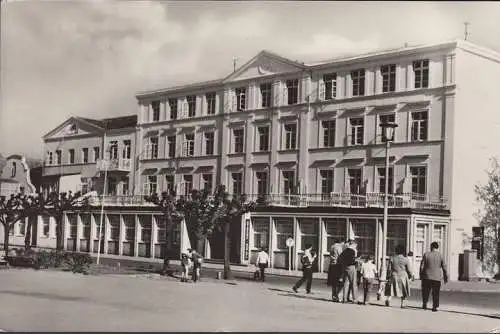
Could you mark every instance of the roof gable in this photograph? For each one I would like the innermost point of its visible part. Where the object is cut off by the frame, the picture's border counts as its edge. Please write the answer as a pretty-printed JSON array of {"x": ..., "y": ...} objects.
[
  {"x": 265, "y": 63},
  {"x": 75, "y": 126}
]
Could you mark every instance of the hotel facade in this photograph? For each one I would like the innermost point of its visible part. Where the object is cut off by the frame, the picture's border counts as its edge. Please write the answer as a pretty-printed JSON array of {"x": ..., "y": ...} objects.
[{"x": 307, "y": 138}]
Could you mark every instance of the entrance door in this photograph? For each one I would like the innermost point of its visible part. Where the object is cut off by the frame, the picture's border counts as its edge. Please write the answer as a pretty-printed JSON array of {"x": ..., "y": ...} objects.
[{"x": 421, "y": 246}]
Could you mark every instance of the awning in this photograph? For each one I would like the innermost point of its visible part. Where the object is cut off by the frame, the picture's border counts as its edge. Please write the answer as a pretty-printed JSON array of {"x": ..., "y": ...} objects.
[
  {"x": 323, "y": 163},
  {"x": 167, "y": 170},
  {"x": 203, "y": 169},
  {"x": 149, "y": 171},
  {"x": 284, "y": 164}
]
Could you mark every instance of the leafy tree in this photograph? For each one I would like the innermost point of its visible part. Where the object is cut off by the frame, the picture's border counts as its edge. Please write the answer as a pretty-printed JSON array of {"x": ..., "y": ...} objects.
[
  {"x": 11, "y": 211},
  {"x": 167, "y": 206},
  {"x": 198, "y": 211},
  {"x": 229, "y": 211},
  {"x": 488, "y": 195}
]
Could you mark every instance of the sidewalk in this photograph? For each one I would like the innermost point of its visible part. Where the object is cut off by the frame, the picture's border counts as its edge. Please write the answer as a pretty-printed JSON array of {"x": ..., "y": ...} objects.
[{"x": 461, "y": 286}]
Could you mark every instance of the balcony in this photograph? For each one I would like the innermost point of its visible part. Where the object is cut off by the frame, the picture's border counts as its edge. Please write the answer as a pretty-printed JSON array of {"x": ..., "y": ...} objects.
[
  {"x": 125, "y": 200},
  {"x": 124, "y": 165},
  {"x": 368, "y": 200}
]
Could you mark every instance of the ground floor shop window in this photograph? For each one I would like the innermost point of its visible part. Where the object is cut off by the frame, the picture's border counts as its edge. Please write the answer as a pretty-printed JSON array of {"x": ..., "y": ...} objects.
[
  {"x": 364, "y": 235},
  {"x": 335, "y": 230},
  {"x": 261, "y": 233},
  {"x": 129, "y": 243},
  {"x": 284, "y": 230},
  {"x": 396, "y": 235},
  {"x": 114, "y": 234},
  {"x": 309, "y": 233}
]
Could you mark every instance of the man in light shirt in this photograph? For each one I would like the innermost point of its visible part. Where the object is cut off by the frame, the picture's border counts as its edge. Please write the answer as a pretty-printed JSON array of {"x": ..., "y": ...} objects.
[
  {"x": 335, "y": 270},
  {"x": 307, "y": 275},
  {"x": 369, "y": 273},
  {"x": 262, "y": 262}
]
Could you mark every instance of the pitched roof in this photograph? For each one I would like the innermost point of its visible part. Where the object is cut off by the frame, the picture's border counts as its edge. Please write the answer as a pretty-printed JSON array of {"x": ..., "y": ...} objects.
[{"x": 113, "y": 122}]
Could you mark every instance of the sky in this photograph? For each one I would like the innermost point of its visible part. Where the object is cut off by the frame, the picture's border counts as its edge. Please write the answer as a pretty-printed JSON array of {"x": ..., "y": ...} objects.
[{"x": 89, "y": 58}]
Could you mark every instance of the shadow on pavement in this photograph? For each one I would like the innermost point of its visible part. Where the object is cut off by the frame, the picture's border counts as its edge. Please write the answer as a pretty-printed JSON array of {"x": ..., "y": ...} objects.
[
  {"x": 492, "y": 316},
  {"x": 42, "y": 295}
]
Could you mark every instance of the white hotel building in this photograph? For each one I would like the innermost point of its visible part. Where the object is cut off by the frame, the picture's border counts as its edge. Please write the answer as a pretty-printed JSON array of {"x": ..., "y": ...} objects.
[{"x": 307, "y": 136}]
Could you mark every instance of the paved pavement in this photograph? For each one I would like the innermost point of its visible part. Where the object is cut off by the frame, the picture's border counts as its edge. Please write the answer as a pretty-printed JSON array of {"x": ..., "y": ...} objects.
[{"x": 59, "y": 301}]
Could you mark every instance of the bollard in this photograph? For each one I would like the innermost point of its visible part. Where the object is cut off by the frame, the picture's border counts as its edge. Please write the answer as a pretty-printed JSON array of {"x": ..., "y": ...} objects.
[{"x": 219, "y": 275}]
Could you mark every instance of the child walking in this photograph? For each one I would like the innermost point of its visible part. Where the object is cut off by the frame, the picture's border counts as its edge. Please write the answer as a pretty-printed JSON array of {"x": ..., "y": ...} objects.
[
  {"x": 369, "y": 273},
  {"x": 186, "y": 265}
]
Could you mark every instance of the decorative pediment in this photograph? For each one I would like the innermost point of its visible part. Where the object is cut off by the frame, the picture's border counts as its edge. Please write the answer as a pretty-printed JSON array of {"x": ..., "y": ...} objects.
[
  {"x": 264, "y": 64},
  {"x": 74, "y": 126}
]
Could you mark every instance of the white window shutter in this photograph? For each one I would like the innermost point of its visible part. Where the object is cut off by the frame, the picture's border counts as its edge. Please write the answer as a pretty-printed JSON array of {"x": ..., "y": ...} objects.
[
  {"x": 145, "y": 189},
  {"x": 285, "y": 95},
  {"x": 321, "y": 91},
  {"x": 233, "y": 102},
  {"x": 185, "y": 108}
]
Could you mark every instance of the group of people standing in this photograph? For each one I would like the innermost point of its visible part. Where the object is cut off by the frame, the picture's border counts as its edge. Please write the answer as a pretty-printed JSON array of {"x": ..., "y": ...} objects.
[
  {"x": 347, "y": 271},
  {"x": 191, "y": 260}
]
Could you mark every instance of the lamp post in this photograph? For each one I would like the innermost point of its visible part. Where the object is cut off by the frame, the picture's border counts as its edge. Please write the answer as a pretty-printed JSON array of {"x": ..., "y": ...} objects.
[{"x": 388, "y": 129}]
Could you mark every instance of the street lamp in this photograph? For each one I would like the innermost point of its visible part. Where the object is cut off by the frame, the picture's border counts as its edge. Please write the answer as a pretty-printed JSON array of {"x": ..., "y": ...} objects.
[{"x": 388, "y": 129}]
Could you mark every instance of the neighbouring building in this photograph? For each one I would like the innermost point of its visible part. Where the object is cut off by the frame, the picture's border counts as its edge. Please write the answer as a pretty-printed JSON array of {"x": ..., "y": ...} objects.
[{"x": 305, "y": 137}]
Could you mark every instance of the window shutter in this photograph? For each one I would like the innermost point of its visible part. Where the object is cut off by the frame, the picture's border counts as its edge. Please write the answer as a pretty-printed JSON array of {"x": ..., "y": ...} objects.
[
  {"x": 185, "y": 109},
  {"x": 322, "y": 88},
  {"x": 233, "y": 102},
  {"x": 285, "y": 95},
  {"x": 145, "y": 189}
]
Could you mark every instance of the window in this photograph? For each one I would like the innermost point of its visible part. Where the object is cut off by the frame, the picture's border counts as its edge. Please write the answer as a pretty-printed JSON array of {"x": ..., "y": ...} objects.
[
  {"x": 73, "y": 226},
  {"x": 388, "y": 78},
  {"x": 288, "y": 181},
  {"x": 265, "y": 95},
  {"x": 96, "y": 154},
  {"x": 113, "y": 149},
  {"x": 292, "y": 91},
  {"x": 357, "y": 130},
  {"x": 188, "y": 148},
  {"x": 290, "y": 136},
  {"x": 150, "y": 187},
  {"x": 22, "y": 227},
  {"x": 85, "y": 155},
  {"x": 170, "y": 184},
  {"x": 241, "y": 100},
  {"x": 419, "y": 121},
  {"x": 155, "y": 107},
  {"x": 381, "y": 180},
  {"x": 187, "y": 184},
  {"x": 358, "y": 82},
  {"x": 14, "y": 169},
  {"x": 46, "y": 226},
  {"x": 172, "y": 103},
  {"x": 85, "y": 226},
  {"x": 71, "y": 158},
  {"x": 284, "y": 229},
  {"x": 354, "y": 178},
  {"x": 207, "y": 182},
  {"x": 328, "y": 133},
  {"x": 263, "y": 138},
  {"x": 326, "y": 182},
  {"x": 421, "y": 72},
  {"x": 162, "y": 229},
  {"x": 114, "y": 228},
  {"x": 129, "y": 228},
  {"x": 238, "y": 140},
  {"x": 237, "y": 183},
  {"x": 418, "y": 179},
  {"x": 262, "y": 182},
  {"x": 58, "y": 157},
  {"x": 211, "y": 98},
  {"x": 260, "y": 233},
  {"x": 126, "y": 153},
  {"x": 191, "y": 101},
  {"x": 396, "y": 235},
  {"x": 50, "y": 158},
  {"x": 309, "y": 233},
  {"x": 153, "y": 143},
  {"x": 209, "y": 143},
  {"x": 386, "y": 118},
  {"x": 330, "y": 86},
  {"x": 335, "y": 230},
  {"x": 171, "y": 143},
  {"x": 145, "y": 224},
  {"x": 124, "y": 181},
  {"x": 364, "y": 235}
]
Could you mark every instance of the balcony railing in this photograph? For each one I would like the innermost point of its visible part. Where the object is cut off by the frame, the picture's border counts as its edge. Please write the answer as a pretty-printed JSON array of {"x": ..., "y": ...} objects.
[
  {"x": 368, "y": 200},
  {"x": 117, "y": 200},
  {"x": 120, "y": 164}
]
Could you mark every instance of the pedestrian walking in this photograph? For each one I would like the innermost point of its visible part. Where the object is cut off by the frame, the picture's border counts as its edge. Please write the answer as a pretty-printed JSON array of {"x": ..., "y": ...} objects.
[
  {"x": 335, "y": 270},
  {"x": 186, "y": 265},
  {"x": 400, "y": 273},
  {"x": 430, "y": 273},
  {"x": 347, "y": 261},
  {"x": 369, "y": 273},
  {"x": 197, "y": 260},
  {"x": 262, "y": 262},
  {"x": 307, "y": 262}
]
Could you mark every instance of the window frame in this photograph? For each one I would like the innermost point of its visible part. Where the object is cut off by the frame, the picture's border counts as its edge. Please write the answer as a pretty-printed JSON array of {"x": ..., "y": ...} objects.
[
  {"x": 85, "y": 155},
  {"x": 349, "y": 178},
  {"x": 381, "y": 179},
  {"x": 388, "y": 73},
  {"x": 211, "y": 101},
  {"x": 71, "y": 156},
  {"x": 330, "y": 79},
  {"x": 155, "y": 106},
  {"x": 425, "y": 178},
  {"x": 263, "y": 145},
  {"x": 358, "y": 82},
  {"x": 191, "y": 106},
  {"x": 209, "y": 142},
  {"x": 238, "y": 144},
  {"x": 268, "y": 97},
  {"x": 237, "y": 183},
  {"x": 290, "y": 137},
  {"x": 421, "y": 73},
  {"x": 292, "y": 91},
  {"x": 356, "y": 139},
  {"x": 418, "y": 136},
  {"x": 188, "y": 145},
  {"x": 381, "y": 118},
  {"x": 241, "y": 98},
  {"x": 262, "y": 183},
  {"x": 173, "y": 104},
  {"x": 327, "y": 132},
  {"x": 208, "y": 179}
]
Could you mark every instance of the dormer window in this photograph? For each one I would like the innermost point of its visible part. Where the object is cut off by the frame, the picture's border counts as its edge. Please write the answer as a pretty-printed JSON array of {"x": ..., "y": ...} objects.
[{"x": 14, "y": 169}]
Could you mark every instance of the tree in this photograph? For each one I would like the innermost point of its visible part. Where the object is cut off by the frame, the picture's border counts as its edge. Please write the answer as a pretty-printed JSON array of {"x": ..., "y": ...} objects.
[
  {"x": 198, "y": 211},
  {"x": 488, "y": 195},
  {"x": 56, "y": 204},
  {"x": 171, "y": 216},
  {"x": 229, "y": 211},
  {"x": 11, "y": 211}
]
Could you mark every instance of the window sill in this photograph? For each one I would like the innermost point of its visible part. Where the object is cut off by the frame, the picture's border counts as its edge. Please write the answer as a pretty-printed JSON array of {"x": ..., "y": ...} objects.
[
  {"x": 261, "y": 152},
  {"x": 236, "y": 154},
  {"x": 294, "y": 150}
]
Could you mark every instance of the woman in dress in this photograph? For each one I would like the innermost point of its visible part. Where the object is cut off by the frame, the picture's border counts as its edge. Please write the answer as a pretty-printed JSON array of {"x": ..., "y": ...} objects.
[{"x": 400, "y": 273}]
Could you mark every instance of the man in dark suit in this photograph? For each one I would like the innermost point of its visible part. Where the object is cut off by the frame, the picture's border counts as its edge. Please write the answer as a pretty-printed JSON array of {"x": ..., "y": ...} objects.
[{"x": 430, "y": 274}]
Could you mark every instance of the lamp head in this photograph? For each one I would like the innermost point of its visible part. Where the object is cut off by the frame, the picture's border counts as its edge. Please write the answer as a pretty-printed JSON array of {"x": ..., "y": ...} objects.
[{"x": 388, "y": 130}]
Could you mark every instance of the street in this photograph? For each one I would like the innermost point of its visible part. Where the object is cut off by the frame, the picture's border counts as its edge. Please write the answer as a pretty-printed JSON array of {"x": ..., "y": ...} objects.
[{"x": 59, "y": 301}]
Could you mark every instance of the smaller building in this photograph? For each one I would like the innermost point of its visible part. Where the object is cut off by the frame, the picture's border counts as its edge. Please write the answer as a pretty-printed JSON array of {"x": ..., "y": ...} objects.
[{"x": 15, "y": 177}]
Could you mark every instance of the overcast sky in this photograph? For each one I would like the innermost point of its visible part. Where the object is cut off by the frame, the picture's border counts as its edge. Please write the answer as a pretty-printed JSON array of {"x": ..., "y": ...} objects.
[{"x": 89, "y": 58}]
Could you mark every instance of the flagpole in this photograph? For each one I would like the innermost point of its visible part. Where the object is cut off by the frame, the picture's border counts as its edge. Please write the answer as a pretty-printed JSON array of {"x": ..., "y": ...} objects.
[{"x": 102, "y": 199}]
